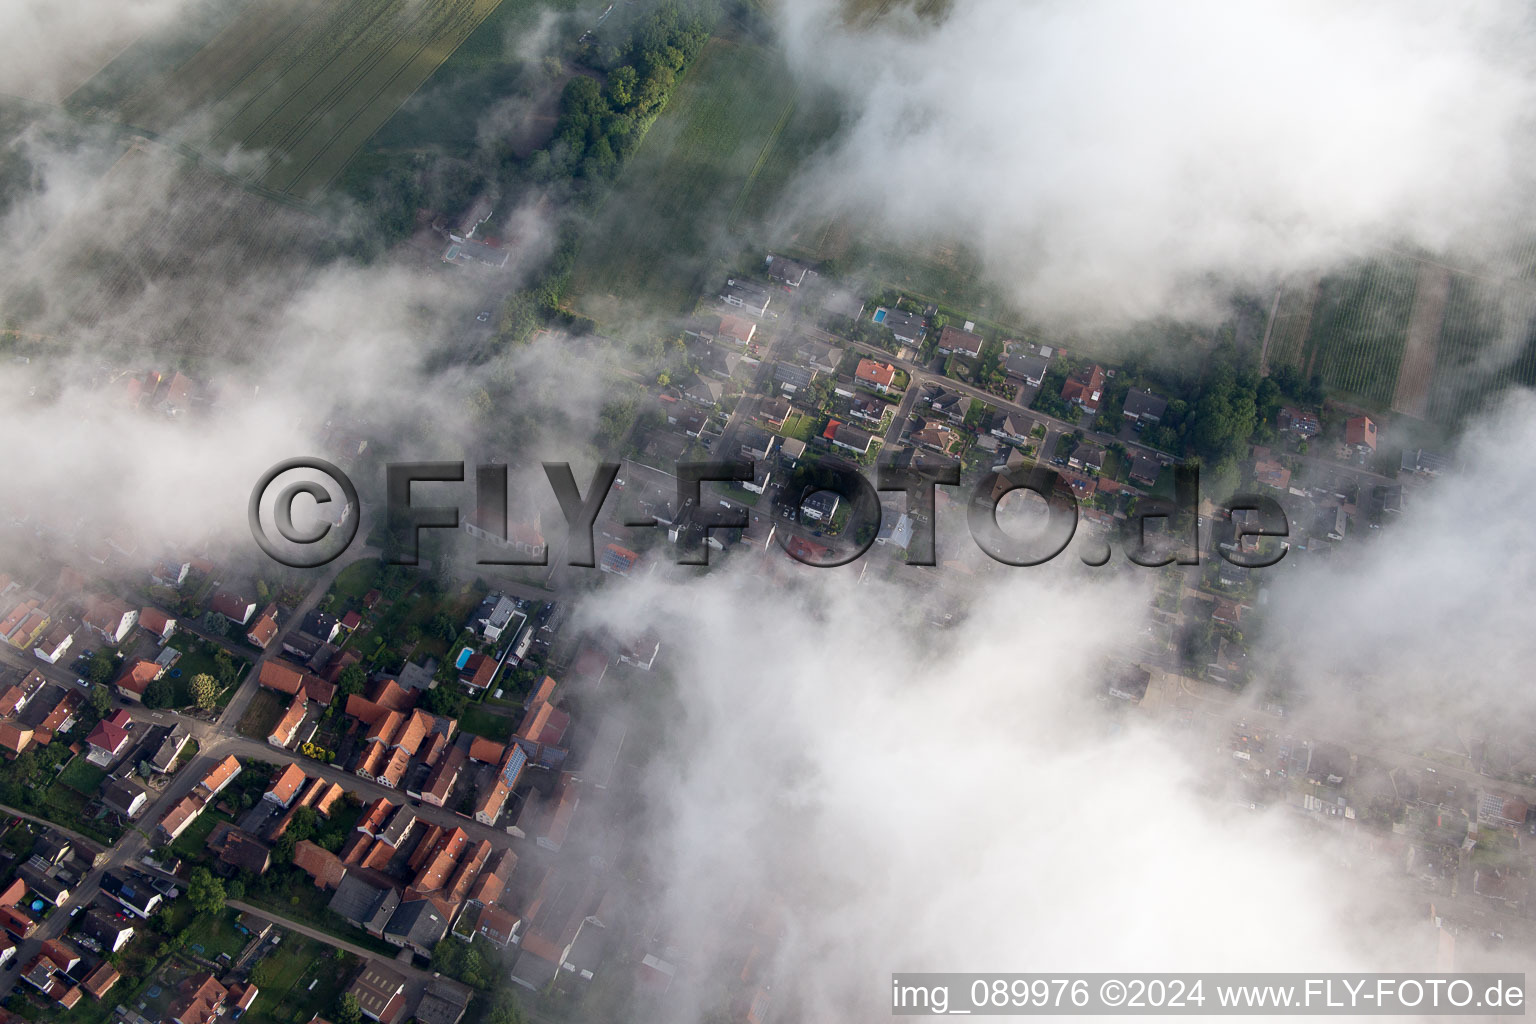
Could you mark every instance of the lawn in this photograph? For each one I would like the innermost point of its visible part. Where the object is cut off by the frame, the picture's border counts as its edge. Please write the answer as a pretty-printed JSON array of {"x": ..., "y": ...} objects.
[
  {"x": 261, "y": 715},
  {"x": 301, "y": 84},
  {"x": 659, "y": 233},
  {"x": 481, "y": 722},
  {"x": 799, "y": 426},
  {"x": 193, "y": 843},
  {"x": 354, "y": 581},
  {"x": 305, "y": 979},
  {"x": 82, "y": 776}
]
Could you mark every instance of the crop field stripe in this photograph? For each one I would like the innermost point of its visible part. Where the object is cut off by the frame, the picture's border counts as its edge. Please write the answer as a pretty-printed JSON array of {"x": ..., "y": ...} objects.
[
  {"x": 203, "y": 76},
  {"x": 281, "y": 93},
  {"x": 295, "y": 129},
  {"x": 429, "y": 40},
  {"x": 762, "y": 158}
]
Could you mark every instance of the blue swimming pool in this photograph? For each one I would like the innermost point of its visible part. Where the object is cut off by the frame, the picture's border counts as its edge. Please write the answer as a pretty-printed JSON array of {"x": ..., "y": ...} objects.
[
  {"x": 879, "y": 316},
  {"x": 464, "y": 655}
]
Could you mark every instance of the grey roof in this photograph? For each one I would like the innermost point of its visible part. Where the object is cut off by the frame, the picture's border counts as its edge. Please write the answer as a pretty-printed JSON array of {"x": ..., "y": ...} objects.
[
  {"x": 399, "y": 827},
  {"x": 788, "y": 271},
  {"x": 361, "y": 903},
  {"x": 417, "y": 923},
  {"x": 102, "y": 927},
  {"x": 749, "y": 295},
  {"x": 1026, "y": 366},
  {"x": 119, "y": 794},
  {"x": 443, "y": 1002},
  {"x": 533, "y": 971},
  {"x": 903, "y": 325},
  {"x": 1145, "y": 403},
  {"x": 794, "y": 376}
]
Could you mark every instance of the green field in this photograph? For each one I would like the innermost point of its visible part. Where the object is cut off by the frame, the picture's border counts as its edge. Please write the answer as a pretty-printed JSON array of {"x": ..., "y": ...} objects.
[
  {"x": 1356, "y": 332},
  {"x": 1489, "y": 332},
  {"x": 663, "y": 232},
  {"x": 295, "y": 87}
]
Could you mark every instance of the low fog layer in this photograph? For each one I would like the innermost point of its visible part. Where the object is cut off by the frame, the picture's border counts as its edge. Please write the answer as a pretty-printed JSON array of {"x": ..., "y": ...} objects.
[{"x": 1112, "y": 161}]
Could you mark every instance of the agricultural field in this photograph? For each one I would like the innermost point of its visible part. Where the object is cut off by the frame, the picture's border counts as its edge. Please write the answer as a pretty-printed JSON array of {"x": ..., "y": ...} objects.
[
  {"x": 1487, "y": 341},
  {"x": 288, "y": 90},
  {"x": 1356, "y": 330},
  {"x": 668, "y": 214}
]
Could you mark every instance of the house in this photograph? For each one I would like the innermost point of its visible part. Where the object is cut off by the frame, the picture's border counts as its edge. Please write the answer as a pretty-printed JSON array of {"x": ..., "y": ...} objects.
[
  {"x": 219, "y": 776},
  {"x": 380, "y": 992},
  {"x": 264, "y": 628},
  {"x": 497, "y": 925},
  {"x": 199, "y": 1000},
  {"x": 1271, "y": 473},
  {"x": 820, "y": 506},
  {"x": 493, "y": 617},
  {"x": 955, "y": 341},
  {"x": 1145, "y": 469},
  {"x": 705, "y": 393},
  {"x": 287, "y": 727},
  {"x": 136, "y": 677},
  {"x": 170, "y": 750},
  {"x": 792, "y": 378},
  {"x": 937, "y": 437},
  {"x": 907, "y": 327},
  {"x": 16, "y": 923},
  {"x": 111, "y": 619},
  {"x": 791, "y": 450},
  {"x": 243, "y": 852},
  {"x": 869, "y": 409},
  {"x": 745, "y": 295},
  {"x": 134, "y": 896},
  {"x": 757, "y": 444},
  {"x": 618, "y": 560},
  {"x": 1025, "y": 368},
  {"x": 181, "y": 815},
  {"x": 1087, "y": 457},
  {"x": 737, "y": 329},
  {"x": 950, "y": 404},
  {"x": 1360, "y": 434},
  {"x": 761, "y": 474},
  {"x": 233, "y": 607},
  {"x": 774, "y": 411},
  {"x": 323, "y": 866},
  {"x": 363, "y": 905},
  {"x": 157, "y": 624},
  {"x": 15, "y": 738},
  {"x": 786, "y": 271},
  {"x": 57, "y": 641},
  {"x": 1422, "y": 462},
  {"x": 1229, "y": 612},
  {"x": 170, "y": 573},
  {"x": 103, "y": 931},
  {"x": 845, "y": 436},
  {"x": 1296, "y": 421},
  {"x": 99, "y": 981},
  {"x": 1142, "y": 406},
  {"x": 875, "y": 375},
  {"x": 478, "y": 672},
  {"x": 417, "y": 925},
  {"x": 477, "y": 214},
  {"x": 640, "y": 651},
  {"x": 1011, "y": 428},
  {"x": 320, "y": 627},
  {"x": 818, "y": 355},
  {"x": 48, "y": 972},
  {"x": 124, "y": 797},
  {"x": 285, "y": 785},
  {"x": 1085, "y": 388},
  {"x": 110, "y": 737}
]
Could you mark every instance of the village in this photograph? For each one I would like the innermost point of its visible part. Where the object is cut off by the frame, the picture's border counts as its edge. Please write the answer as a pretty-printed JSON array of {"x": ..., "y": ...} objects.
[{"x": 435, "y": 777}]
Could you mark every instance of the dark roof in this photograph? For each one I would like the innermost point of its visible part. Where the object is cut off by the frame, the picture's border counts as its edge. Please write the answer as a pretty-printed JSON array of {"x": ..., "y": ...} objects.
[
  {"x": 417, "y": 922},
  {"x": 1145, "y": 403},
  {"x": 357, "y": 901}
]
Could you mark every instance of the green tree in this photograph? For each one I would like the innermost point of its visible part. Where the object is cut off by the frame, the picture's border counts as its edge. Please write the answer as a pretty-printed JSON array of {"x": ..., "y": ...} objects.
[
  {"x": 159, "y": 694},
  {"x": 204, "y": 892},
  {"x": 351, "y": 681},
  {"x": 347, "y": 1010},
  {"x": 205, "y": 691},
  {"x": 621, "y": 85},
  {"x": 505, "y": 1011},
  {"x": 102, "y": 667},
  {"x": 101, "y": 700}
]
